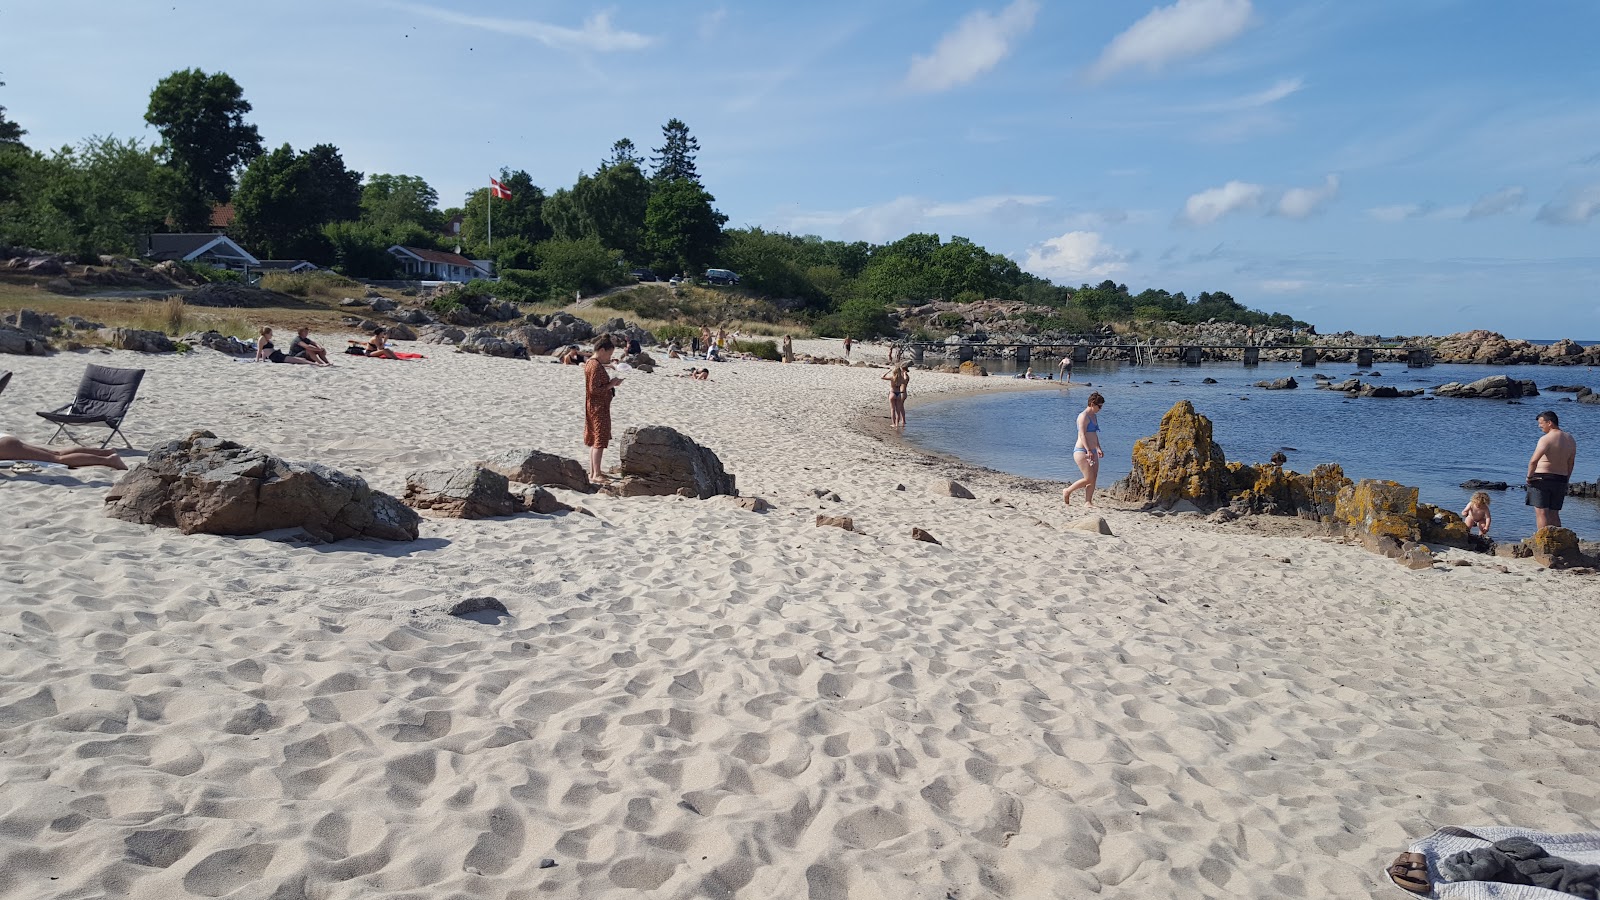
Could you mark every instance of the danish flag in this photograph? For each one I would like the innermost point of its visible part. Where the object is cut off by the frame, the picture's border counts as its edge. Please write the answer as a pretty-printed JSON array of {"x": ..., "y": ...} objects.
[{"x": 500, "y": 191}]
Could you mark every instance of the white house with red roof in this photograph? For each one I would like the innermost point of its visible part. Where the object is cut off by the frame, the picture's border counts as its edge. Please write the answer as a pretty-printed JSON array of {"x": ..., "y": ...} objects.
[{"x": 439, "y": 265}]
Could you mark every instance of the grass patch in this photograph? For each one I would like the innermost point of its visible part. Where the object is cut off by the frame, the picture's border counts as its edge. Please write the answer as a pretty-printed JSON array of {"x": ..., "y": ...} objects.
[
  {"x": 327, "y": 286},
  {"x": 759, "y": 349}
]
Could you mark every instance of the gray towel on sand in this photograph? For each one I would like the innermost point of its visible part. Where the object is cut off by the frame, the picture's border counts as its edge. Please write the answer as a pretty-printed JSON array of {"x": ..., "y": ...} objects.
[
  {"x": 1520, "y": 861},
  {"x": 1582, "y": 848}
]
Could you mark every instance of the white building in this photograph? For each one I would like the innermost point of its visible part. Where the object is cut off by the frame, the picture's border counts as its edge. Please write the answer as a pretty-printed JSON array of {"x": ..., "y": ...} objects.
[{"x": 438, "y": 265}]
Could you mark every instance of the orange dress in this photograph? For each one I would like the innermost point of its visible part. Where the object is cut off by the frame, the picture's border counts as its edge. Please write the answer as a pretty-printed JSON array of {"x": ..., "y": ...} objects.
[{"x": 596, "y": 404}]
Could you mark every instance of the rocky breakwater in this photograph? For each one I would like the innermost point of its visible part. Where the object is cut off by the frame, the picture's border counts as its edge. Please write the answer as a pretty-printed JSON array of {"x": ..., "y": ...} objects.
[
  {"x": 1492, "y": 348},
  {"x": 1183, "y": 466},
  {"x": 206, "y": 485}
]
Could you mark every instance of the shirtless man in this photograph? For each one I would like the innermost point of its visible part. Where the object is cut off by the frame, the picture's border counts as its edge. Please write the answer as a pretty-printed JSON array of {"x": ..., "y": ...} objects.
[
  {"x": 1549, "y": 470},
  {"x": 1065, "y": 368}
]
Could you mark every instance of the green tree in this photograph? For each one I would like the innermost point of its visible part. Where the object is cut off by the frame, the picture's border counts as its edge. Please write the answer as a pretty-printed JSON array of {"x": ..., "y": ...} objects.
[
  {"x": 520, "y": 216},
  {"x": 609, "y": 206},
  {"x": 204, "y": 136},
  {"x": 674, "y": 159},
  {"x": 99, "y": 197},
  {"x": 337, "y": 187},
  {"x": 581, "y": 265},
  {"x": 771, "y": 264},
  {"x": 682, "y": 231},
  {"x": 391, "y": 201},
  {"x": 902, "y": 271},
  {"x": 361, "y": 249},
  {"x": 278, "y": 208},
  {"x": 623, "y": 152},
  {"x": 11, "y": 132}
]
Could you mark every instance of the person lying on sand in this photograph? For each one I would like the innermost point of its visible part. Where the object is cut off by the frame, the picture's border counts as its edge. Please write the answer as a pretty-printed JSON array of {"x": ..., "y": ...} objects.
[{"x": 72, "y": 457}]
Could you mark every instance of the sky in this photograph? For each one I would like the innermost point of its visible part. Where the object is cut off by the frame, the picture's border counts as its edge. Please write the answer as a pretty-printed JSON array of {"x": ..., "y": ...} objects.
[{"x": 1386, "y": 167}]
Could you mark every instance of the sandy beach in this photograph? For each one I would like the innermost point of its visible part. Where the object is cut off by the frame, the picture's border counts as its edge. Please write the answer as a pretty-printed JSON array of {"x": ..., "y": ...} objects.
[{"x": 694, "y": 700}]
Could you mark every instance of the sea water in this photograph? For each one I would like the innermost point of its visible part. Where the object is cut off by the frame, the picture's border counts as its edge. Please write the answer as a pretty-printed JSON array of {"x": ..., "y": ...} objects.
[{"x": 1432, "y": 444}]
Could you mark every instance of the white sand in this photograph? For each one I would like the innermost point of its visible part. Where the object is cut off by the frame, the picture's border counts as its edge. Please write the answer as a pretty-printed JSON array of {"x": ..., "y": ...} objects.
[{"x": 696, "y": 700}]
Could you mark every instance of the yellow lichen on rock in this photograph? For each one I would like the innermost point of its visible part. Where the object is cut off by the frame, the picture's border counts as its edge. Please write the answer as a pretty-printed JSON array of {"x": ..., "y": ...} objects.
[
  {"x": 1554, "y": 547},
  {"x": 1441, "y": 526},
  {"x": 1382, "y": 508},
  {"x": 1180, "y": 462}
]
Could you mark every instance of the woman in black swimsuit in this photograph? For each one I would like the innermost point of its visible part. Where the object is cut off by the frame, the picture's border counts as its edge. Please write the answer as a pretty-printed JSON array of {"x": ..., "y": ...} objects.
[
  {"x": 899, "y": 379},
  {"x": 265, "y": 351}
]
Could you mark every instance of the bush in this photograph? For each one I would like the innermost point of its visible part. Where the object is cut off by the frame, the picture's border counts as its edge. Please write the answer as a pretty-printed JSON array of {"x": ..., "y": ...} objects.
[
  {"x": 208, "y": 273},
  {"x": 666, "y": 334},
  {"x": 445, "y": 303},
  {"x": 759, "y": 349},
  {"x": 326, "y": 285},
  {"x": 522, "y": 286},
  {"x": 858, "y": 318}
]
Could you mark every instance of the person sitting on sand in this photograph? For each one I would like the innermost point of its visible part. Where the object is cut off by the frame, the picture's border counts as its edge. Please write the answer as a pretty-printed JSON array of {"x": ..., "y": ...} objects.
[
  {"x": 303, "y": 347},
  {"x": 1476, "y": 513},
  {"x": 701, "y": 374},
  {"x": 1087, "y": 453},
  {"x": 378, "y": 347},
  {"x": 570, "y": 356},
  {"x": 266, "y": 352},
  {"x": 73, "y": 457}
]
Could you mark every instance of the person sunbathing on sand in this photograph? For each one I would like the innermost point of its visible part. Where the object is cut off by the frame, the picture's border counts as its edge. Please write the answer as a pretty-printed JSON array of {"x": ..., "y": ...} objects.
[
  {"x": 72, "y": 457},
  {"x": 378, "y": 347}
]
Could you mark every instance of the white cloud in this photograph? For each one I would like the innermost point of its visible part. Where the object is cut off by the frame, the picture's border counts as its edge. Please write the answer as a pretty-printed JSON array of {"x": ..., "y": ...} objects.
[
  {"x": 1284, "y": 285},
  {"x": 1210, "y": 205},
  {"x": 1075, "y": 257},
  {"x": 1301, "y": 203},
  {"x": 1170, "y": 33},
  {"x": 1573, "y": 207},
  {"x": 977, "y": 45},
  {"x": 903, "y": 215},
  {"x": 597, "y": 32},
  {"x": 1398, "y": 212},
  {"x": 1257, "y": 100},
  {"x": 1501, "y": 201}
]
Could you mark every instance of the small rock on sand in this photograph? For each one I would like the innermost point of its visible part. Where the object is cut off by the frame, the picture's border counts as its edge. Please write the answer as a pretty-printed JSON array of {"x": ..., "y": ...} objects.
[{"x": 1092, "y": 524}]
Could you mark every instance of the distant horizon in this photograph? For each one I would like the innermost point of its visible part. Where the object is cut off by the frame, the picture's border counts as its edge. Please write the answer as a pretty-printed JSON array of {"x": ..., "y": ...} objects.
[{"x": 1366, "y": 166}]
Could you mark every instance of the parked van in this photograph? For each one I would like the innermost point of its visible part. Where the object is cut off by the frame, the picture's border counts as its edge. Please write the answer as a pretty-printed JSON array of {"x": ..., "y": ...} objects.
[{"x": 722, "y": 276}]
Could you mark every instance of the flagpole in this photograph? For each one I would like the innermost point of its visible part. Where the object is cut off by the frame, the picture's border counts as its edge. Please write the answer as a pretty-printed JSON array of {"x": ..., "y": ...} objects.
[{"x": 491, "y": 212}]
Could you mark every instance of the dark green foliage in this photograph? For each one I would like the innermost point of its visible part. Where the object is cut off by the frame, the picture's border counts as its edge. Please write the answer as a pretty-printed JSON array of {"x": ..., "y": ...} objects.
[
  {"x": 522, "y": 286},
  {"x": 98, "y": 197},
  {"x": 682, "y": 232},
  {"x": 609, "y": 206},
  {"x": 859, "y": 318},
  {"x": 445, "y": 303},
  {"x": 361, "y": 249},
  {"x": 759, "y": 349},
  {"x": 683, "y": 334},
  {"x": 396, "y": 200},
  {"x": 279, "y": 206},
  {"x": 582, "y": 265},
  {"x": 674, "y": 159},
  {"x": 11, "y": 132},
  {"x": 208, "y": 273},
  {"x": 204, "y": 136},
  {"x": 522, "y": 216}
]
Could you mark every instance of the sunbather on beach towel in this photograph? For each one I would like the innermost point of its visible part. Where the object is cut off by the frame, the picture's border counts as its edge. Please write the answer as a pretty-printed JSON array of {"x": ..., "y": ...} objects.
[{"x": 377, "y": 345}]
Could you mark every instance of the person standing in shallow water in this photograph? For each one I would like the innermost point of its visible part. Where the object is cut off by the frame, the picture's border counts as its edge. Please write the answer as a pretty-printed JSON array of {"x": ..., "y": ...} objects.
[
  {"x": 1549, "y": 471},
  {"x": 599, "y": 388},
  {"x": 1087, "y": 453}
]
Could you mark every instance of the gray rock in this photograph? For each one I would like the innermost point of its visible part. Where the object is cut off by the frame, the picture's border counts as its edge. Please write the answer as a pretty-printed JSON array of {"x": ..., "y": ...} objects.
[
  {"x": 471, "y": 493},
  {"x": 28, "y": 320},
  {"x": 79, "y": 323},
  {"x": 401, "y": 333},
  {"x": 442, "y": 334},
  {"x": 845, "y": 522},
  {"x": 1495, "y": 387},
  {"x": 22, "y": 343},
  {"x": 412, "y": 317},
  {"x": 135, "y": 339},
  {"x": 657, "y": 461},
  {"x": 1092, "y": 524},
  {"x": 537, "y": 467},
  {"x": 216, "y": 340},
  {"x": 536, "y": 499},
  {"x": 917, "y": 534},
  {"x": 354, "y": 301},
  {"x": 490, "y": 344},
  {"x": 947, "y": 488},
  {"x": 383, "y": 304},
  {"x": 48, "y": 265},
  {"x": 203, "y": 484},
  {"x": 1279, "y": 384}
]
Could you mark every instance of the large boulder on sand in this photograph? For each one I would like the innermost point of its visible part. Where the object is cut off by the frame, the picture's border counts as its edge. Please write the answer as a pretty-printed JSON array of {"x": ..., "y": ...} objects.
[
  {"x": 538, "y": 467},
  {"x": 1180, "y": 462},
  {"x": 22, "y": 343},
  {"x": 471, "y": 493},
  {"x": 135, "y": 339},
  {"x": 1381, "y": 508},
  {"x": 203, "y": 484},
  {"x": 657, "y": 461}
]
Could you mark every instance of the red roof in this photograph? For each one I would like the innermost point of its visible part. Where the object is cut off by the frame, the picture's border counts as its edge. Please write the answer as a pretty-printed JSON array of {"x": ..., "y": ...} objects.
[
  {"x": 440, "y": 256},
  {"x": 222, "y": 215}
]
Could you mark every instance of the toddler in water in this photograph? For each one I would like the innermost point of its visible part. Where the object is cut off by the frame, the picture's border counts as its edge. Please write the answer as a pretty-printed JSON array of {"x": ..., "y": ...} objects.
[{"x": 1476, "y": 515}]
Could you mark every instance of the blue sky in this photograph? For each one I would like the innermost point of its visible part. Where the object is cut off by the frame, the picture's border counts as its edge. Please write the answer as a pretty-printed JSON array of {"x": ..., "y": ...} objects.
[{"x": 1381, "y": 166}]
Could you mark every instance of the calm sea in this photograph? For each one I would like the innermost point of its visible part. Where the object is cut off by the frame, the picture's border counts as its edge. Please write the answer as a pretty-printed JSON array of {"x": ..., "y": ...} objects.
[{"x": 1434, "y": 444}]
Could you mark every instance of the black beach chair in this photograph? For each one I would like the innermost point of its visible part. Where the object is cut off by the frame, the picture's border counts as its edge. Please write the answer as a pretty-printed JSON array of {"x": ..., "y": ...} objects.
[
  {"x": 5, "y": 379},
  {"x": 103, "y": 398}
]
